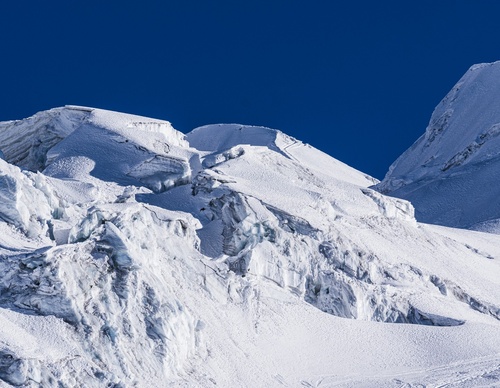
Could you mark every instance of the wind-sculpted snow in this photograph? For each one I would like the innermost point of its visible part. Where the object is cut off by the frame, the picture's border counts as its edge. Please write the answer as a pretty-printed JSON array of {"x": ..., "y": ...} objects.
[
  {"x": 22, "y": 204},
  {"x": 450, "y": 174},
  {"x": 25, "y": 142},
  {"x": 229, "y": 257}
]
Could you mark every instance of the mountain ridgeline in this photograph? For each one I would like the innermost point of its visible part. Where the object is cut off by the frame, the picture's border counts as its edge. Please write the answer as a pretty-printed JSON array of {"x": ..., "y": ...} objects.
[
  {"x": 451, "y": 172},
  {"x": 134, "y": 255}
]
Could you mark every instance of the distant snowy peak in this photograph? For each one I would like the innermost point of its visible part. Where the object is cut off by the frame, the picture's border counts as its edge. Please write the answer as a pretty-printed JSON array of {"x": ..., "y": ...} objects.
[
  {"x": 463, "y": 129},
  {"x": 453, "y": 162}
]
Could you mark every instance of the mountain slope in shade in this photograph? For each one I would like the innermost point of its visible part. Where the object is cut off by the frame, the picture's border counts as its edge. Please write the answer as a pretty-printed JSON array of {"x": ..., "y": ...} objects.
[
  {"x": 132, "y": 255},
  {"x": 451, "y": 173}
]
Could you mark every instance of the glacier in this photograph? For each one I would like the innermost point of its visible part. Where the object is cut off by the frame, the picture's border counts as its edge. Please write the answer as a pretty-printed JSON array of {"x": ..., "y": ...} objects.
[{"x": 134, "y": 255}]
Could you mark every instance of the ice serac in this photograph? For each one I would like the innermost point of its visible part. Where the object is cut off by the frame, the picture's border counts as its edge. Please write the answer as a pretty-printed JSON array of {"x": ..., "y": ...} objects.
[
  {"x": 22, "y": 201},
  {"x": 25, "y": 142},
  {"x": 451, "y": 173},
  {"x": 134, "y": 255}
]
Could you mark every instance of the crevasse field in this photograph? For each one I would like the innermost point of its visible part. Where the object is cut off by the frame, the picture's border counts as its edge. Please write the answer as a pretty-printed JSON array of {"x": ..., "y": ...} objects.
[{"x": 132, "y": 255}]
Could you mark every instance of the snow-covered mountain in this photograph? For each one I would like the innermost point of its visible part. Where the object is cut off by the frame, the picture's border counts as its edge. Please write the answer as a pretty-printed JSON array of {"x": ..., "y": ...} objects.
[
  {"x": 451, "y": 173},
  {"x": 132, "y": 255}
]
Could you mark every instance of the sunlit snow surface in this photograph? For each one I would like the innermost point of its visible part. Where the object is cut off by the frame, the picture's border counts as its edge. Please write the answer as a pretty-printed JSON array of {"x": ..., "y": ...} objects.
[
  {"x": 132, "y": 255},
  {"x": 451, "y": 173}
]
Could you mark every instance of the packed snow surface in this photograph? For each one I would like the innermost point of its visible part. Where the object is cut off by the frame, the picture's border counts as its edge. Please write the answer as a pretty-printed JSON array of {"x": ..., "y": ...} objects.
[
  {"x": 451, "y": 173},
  {"x": 133, "y": 255}
]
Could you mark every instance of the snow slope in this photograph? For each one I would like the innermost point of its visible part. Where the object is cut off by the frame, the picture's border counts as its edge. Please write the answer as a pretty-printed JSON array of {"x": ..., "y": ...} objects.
[
  {"x": 132, "y": 255},
  {"x": 450, "y": 174}
]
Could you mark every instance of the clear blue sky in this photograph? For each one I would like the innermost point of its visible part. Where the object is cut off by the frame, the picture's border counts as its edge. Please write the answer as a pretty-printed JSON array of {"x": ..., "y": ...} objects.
[{"x": 356, "y": 79}]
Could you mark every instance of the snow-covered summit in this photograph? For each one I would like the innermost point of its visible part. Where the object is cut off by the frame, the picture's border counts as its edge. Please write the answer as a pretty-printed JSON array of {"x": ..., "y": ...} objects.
[
  {"x": 215, "y": 139},
  {"x": 134, "y": 255},
  {"x": 451, "y": 173},
  {"x": 26, "y": 143}
]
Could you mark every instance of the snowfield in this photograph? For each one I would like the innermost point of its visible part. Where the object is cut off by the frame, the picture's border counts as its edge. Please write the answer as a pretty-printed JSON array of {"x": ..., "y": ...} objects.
[{"x": 132, "y": 255}]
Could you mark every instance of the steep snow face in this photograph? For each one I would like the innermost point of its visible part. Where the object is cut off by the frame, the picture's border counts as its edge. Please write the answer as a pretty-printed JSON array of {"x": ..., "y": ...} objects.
[
  {"x": 25, "y": 142},
  {"x": 450, "y": 174},
  {"x": 230, "y": 256}
]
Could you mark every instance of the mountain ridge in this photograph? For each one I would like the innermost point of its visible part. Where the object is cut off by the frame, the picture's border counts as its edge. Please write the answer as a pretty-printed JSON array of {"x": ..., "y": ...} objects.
[
  {"x": 448, "y": 172},
  {"x": 135, "y": 255}
]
